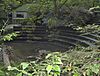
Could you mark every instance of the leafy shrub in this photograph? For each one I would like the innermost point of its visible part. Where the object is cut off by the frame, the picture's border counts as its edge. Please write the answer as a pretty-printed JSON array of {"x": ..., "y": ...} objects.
[
  {"x": 48, "y": 67},
  {"x": 54, "y": 65}
]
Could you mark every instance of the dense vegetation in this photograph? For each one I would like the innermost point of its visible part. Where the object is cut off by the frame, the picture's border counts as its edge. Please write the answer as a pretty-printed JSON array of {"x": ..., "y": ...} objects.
[
  {"x": 77, "y": 61},
  {"x": 65, "y": 11},
  {"x": 56, "y": 63}
]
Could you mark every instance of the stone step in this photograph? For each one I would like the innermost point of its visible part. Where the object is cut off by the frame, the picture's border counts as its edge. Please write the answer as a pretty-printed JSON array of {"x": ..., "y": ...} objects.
[
  {"x": 26, "y": 29},
  {"x": 34, "y": 27},
  {"x": 75, "y": 40},
  {"x": 78, "y": 37},
  {"x": 94, "y": 36},
  {"x": 17, "y": 28},
  {"x": 31, "y": 38},
  {"x": 63, "y": 28},
  {"x": 70, "y": 31},
  {"x": 36, "y": 35},
  {"x": 32, "y": 32},
  {"x": 63, "y": 42},
  {"x": 20, "y": 28}
]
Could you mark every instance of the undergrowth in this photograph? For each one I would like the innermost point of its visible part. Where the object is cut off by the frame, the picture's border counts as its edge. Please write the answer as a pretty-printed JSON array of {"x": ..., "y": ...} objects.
[{"x": 71, "y": 63}]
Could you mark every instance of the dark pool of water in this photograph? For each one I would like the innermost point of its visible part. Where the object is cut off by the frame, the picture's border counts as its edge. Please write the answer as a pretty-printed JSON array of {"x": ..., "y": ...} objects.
[{"x": 24, "y": 49}]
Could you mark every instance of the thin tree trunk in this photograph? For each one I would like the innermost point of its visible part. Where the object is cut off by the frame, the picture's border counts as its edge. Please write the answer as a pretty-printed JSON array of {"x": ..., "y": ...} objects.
[
  {"x": 5, "y": 57},
  {"x": 56, "y": 7}
]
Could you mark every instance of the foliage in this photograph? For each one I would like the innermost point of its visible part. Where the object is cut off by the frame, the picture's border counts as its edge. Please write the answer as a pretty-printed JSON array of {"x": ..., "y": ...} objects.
[
  {"x": 88, "y": 29},
  {"x": 9, "y": 37},
  {"x": 56, "y": 64},
  {"x": 2, "y": 73},
  {"x": 57, "y": 12},
  {"x": 64, "y": 11},
  {"x": 93, "y": 69},
  {"x": 6, "y": 36},
  {"x": 50, "y": 66},
  {"x": 54, "y": 60}
]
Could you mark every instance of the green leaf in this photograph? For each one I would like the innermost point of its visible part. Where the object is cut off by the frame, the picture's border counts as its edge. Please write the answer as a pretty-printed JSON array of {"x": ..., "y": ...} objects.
[
  {"x": 57, "y": 61},
  {"x": 88, "y": 72},
  {"x": 1, "y": 73},
  {"x": 30, "y": 75},
  {"x": 33, "y": 62},
  {"x": 56, "y": 68},
  {"x": 11, "y": 68},
  {"x": 55, "y": 74},
  {"x": 20, "y": 74},
  {"x": 24, "y": 72},
  {"x": 76, "y": 74},
  {"x": 49, "y": 68},
  {"x": 48, "y": 56},
  {"x": 24, "y": 65},
  {"x": 95, "y": 68},
  {"x": 49, "y": 75}
]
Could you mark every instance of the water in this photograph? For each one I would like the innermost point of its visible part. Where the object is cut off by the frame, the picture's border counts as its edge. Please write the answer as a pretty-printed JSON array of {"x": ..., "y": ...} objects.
[{"x": 25, "y": 49}]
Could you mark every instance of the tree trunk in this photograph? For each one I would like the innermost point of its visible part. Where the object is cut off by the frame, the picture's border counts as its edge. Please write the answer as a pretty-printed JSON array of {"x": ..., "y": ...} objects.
[
  {"x": 5, "y": 57},
  {"x": 56, "y": 7}
]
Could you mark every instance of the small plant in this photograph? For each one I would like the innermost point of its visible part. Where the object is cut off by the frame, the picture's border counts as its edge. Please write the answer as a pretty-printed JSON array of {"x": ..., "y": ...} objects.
[
  {"x": 53, "y": 67},
  {"x": 48, "y": 67},
  {"x": 93, "y": 69},
  {"x": 22, "y": 69},
  {"x": 9, "y": 37},
  {"x": 6, "y": 36}
]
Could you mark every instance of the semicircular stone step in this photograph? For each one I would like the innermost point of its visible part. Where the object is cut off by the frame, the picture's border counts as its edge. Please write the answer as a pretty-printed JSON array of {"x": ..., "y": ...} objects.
[
  {"x": 78, "y": 37},
  {"x": 92, "y": 39},
  {"x": 95, "y": 36},
  {"x": 77, "y": 41},
  {"x": 63, "y": 42},
  {"x": 70, "y": 31},
  {"x": 98, "y": 33}
]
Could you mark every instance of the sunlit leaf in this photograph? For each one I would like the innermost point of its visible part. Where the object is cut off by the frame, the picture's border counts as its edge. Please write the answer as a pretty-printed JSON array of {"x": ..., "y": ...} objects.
[
  {"x": 49, "y": 68},
  {"x": 12, "y": 68},
  {"x": 24, "y": 65},
  {"x": 48, "y": 56},
  {"x": 76, "y": 74},
  {"x": 56, "y": 68}
]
